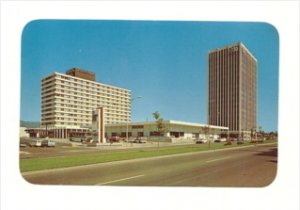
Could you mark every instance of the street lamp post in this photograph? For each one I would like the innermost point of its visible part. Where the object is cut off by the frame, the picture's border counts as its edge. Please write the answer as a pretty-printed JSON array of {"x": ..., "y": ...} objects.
[
  {"x": 253, "y": 133},
  {"x": 127, "y": 125}
]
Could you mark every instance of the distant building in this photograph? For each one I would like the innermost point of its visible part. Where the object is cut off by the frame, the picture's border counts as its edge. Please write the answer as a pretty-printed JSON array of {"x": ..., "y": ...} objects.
[
  {"x": 68, "y": 101},
  {"x": 22, "y": 132},
  {"x": 232, "y": 89}
]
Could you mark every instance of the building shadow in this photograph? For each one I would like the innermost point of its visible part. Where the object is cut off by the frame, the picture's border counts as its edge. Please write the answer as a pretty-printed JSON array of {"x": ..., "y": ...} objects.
[{"x": 272, "y": 153}]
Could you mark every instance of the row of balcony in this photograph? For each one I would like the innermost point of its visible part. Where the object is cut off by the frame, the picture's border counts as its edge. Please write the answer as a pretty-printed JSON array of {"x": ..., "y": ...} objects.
[{"x": 85, "y": 97}]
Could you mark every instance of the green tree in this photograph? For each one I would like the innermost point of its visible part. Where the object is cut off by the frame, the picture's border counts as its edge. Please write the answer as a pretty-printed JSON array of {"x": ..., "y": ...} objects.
[
  {"x": 206, "y": 131},
  {"x": 159, "y": 123},
  {"x": 260, "y": 132}
]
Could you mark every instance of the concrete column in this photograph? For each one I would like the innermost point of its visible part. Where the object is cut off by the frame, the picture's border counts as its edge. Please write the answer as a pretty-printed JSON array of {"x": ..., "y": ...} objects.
[{"x": 98, "y": 120}]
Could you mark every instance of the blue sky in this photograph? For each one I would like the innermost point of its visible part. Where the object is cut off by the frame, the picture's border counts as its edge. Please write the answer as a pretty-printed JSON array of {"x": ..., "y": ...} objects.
[{"x": 164, "y": 62}]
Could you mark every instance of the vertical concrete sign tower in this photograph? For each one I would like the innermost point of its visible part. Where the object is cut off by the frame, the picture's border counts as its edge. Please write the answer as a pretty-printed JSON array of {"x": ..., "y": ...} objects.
[
  {"x": 99, "y": 124},
  {"x": 232, "y": 88}
]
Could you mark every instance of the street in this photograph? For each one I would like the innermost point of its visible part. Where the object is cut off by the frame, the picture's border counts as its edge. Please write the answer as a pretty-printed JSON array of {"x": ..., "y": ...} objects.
[{"x": 251, "y": 166}]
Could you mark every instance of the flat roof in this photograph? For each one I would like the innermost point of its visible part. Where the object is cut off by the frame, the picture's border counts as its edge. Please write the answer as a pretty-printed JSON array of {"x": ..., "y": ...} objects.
[
  {"x": 174, "y": 122},
  {"x": 241, "y": 44}
]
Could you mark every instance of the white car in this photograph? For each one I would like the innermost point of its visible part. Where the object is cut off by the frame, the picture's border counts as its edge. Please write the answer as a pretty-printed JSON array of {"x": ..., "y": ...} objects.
[
  {"x": 36, "y": 143},
  {"x": 48, "y": 143},
  {"x": 223, "y": 139},
  {"x": 141, "y": 140},
  {"x": 201, "y": 141}
]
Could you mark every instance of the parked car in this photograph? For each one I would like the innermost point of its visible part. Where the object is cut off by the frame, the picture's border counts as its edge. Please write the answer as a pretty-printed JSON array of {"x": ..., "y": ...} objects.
[
  {"x": 115, "y": 139},
  {"x": 223, "y": 139},
  {"x": 23, "y": 145},
  {"x": 36, "y": 143},
  {"x": 48, "y": 143},
  {"x": 201, "y": 141},
  {"x": 140, "y": 140}
]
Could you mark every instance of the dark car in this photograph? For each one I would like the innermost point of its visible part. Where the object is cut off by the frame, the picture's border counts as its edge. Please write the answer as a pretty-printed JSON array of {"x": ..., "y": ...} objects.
[{"x": 115, "y": 139}]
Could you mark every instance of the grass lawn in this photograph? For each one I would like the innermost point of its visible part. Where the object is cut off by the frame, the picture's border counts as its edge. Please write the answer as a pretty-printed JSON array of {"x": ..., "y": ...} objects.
[{"x": 115, "y": 155}]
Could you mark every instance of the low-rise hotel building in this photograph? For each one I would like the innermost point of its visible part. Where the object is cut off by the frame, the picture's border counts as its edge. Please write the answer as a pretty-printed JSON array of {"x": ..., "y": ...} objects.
[{"x": 173, "y": 131}]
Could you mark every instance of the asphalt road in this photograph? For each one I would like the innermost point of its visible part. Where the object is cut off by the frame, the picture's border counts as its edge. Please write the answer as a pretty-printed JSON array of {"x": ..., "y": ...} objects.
[{"x": 253, "y": 166}]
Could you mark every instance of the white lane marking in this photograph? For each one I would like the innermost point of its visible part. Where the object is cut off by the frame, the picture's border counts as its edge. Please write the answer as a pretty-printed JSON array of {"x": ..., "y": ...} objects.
[
  {"x": 209, "y": 161},
  {"x": 118, "y": 180}
]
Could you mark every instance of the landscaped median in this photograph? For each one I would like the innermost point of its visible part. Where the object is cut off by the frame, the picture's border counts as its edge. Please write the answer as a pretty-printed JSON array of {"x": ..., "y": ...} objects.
[{"x": 115, "y": 155}]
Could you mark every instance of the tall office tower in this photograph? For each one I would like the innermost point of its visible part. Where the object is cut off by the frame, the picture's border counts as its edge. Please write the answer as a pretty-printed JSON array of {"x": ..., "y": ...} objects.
[
  {"x": 68, "y": 100},
  {"x": 232, "y": 88}
]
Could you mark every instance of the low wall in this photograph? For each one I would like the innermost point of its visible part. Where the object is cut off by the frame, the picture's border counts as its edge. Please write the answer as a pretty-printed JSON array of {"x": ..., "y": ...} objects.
[
  {"x": 160, "y": 139},
  {"x": 182, "y": 140},
  {"x": 171, "y": 139}
]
